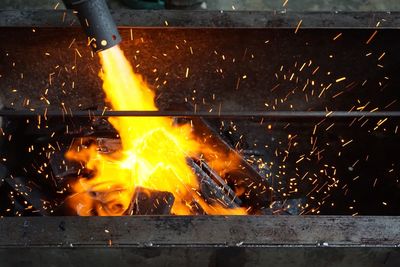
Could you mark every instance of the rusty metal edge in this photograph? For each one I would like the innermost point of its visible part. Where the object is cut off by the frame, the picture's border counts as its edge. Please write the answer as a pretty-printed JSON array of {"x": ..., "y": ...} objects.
[
  {"x": 200, "y": 231},
  {"x": 209, "y": 19}
]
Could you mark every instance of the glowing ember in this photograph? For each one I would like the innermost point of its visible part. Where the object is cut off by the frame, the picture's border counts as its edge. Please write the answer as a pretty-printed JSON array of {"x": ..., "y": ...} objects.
[{"x": 153, "y": 156}]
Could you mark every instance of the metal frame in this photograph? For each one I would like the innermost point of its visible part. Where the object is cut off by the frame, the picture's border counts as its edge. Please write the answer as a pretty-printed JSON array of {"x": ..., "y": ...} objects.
[
  {"x": 283, "y": 115},
  {"x": 200, "y": 241},
  {"x": 201, "y": 231},
  {"x": 210, "y": 19},
  {"x": 211, "y": 240}
]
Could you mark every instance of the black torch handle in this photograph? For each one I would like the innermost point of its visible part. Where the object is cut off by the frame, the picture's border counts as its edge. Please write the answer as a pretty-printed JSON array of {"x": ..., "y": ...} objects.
[{"x": 97, "y": 22}]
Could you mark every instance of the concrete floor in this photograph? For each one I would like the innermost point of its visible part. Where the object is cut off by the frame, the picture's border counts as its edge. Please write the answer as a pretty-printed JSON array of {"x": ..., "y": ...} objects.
[{"x": 298, "y": 5}]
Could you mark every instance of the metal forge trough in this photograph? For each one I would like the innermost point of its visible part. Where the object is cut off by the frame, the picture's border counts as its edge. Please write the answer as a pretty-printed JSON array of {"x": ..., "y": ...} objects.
[{"x": 309, "y": 101}]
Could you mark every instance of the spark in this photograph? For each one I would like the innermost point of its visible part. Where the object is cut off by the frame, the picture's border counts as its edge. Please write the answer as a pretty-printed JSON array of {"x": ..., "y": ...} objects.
[
  {"x": 298, "y": 26},
  {"x": 337, "y": 36},
  {"x": 77, "y": 51},
  {"x": 340, "y": 79},
  {"x": 372, "y": 37},
  {"x": 347, "y": 143},
  {"x": 238, "y": 83}
]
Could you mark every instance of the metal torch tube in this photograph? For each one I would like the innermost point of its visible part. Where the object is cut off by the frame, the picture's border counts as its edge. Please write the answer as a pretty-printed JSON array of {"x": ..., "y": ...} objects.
[{"x": 97, "y": 22}]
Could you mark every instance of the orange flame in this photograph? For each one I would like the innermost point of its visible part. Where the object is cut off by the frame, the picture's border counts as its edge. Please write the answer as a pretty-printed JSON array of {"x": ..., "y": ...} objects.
[{"x": 154, "y": 152}]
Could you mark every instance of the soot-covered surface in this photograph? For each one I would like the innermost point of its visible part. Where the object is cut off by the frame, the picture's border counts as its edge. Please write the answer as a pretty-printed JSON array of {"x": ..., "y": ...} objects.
[
  {"x": 244, "y": 69},
  {"x": 339, "y": 167}
]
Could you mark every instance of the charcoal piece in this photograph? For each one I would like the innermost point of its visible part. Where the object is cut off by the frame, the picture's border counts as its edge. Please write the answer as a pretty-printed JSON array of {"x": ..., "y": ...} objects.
[
  {"x": 244, "y": 177},
  {"x": 62, "y": 167},
  {"x": 227, "y": 132},
  {"x": 286, "y": 207},
  {"x": 96, "y": 127},
  {"x": 251, "y": 152},
  {"x": 84, "y": 127},
  {"x": 294, "y": 205},
  {"x": 104, "y": 145},
  {"x": 31, "y": 196},
  {"x": 108, "y": 145},
  {"x": 151, "y": 202},
  {"x": 218, "y": 181},
  {"x": 196, "y": 209},
  {"x": 102, "y": 125},
  {"x": 213, "y": 191}
]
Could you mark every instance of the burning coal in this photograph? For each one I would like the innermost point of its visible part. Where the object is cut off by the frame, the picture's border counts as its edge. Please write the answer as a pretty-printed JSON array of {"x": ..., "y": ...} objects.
[{"x": 154, "y": 153}]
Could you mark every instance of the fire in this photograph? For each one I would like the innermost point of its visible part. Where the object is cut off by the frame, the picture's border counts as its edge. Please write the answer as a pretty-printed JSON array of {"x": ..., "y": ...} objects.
[{"x": 153, "y": 156}]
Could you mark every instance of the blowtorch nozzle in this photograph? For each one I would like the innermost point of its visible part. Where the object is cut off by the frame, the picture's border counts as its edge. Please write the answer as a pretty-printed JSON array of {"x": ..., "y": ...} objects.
[{"x": 97, "y": 22}]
